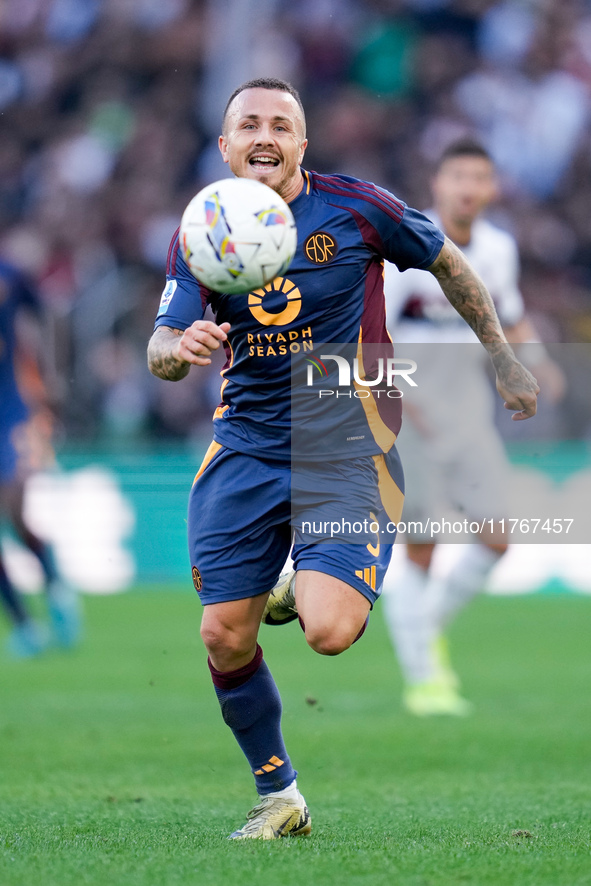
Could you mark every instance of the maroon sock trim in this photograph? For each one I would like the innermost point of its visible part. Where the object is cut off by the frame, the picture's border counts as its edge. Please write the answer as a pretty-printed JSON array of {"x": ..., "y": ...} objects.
[
  {"x": 232, "y": 679},
  {"x": 362, "y": 631},
  {"x": 358, "y": 637}
]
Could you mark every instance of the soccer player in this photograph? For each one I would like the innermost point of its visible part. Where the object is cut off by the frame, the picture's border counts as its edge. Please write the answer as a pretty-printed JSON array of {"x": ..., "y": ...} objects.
[
  {"x": 450, "y": 447},
  {"x": 27, "y": 637},
  {"x": 240, "y": 530}
]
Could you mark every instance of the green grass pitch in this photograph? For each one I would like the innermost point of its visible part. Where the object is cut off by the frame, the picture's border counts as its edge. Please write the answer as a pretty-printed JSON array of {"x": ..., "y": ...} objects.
[{"x": 115, "y": 766}]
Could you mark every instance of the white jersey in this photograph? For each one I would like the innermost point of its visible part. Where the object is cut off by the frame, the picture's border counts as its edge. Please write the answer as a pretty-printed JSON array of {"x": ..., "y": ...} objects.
[
  {"x": 417, "y": 309},
  {"x": 448, "y": 439}
]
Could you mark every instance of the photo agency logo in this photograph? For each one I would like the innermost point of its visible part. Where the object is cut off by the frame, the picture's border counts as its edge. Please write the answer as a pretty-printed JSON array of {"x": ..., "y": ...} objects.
[{"x": 346, "y": 378}]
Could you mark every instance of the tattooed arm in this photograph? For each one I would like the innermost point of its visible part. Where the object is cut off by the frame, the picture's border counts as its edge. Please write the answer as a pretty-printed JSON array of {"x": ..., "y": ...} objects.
[
  {"x": 469, "y": 296},
  {"x": 172, "y": 352}
]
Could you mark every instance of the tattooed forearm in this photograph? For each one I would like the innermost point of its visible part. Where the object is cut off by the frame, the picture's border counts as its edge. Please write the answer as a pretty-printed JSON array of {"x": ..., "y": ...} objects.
[
  {"x": 161, "y": 360},
  {"x": 469, "y": 296},
  {"x": 467, "y": 293}
]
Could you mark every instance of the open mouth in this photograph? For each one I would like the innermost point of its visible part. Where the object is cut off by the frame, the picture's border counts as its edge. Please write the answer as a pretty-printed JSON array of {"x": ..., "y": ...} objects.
[{"x": 263, "y": 162}]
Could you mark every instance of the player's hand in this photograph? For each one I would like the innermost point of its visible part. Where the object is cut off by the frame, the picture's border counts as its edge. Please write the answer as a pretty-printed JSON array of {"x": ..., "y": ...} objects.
[
  {"x": 519, "y": 389},
  {"x": 199, "y": 341}
]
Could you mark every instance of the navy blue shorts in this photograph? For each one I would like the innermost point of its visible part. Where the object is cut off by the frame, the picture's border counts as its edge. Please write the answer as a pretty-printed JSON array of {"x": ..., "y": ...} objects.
[{"x": 245, "y": 514}]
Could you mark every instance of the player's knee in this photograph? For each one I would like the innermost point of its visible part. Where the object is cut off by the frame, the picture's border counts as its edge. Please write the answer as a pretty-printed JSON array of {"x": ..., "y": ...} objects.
[
  {"x": 222, "y": 641},
  {"x": 328, "y": 641},
  {"x": 327, "y": 645},
  {"x": 212, "y": 637}
]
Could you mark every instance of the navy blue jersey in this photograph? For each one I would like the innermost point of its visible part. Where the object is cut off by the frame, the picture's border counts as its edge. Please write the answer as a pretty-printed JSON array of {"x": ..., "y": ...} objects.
[
  {"x": 332, "y": 292},
  {"x": 15, "y": 294}
]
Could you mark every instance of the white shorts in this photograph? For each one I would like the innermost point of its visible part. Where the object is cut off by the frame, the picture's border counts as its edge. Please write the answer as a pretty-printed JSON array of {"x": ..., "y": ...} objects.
[{"x": 452, "y": 454}]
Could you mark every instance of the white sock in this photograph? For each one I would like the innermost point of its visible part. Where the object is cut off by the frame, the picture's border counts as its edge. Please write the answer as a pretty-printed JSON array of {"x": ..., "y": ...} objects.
[
  {"x": 409, "y": 617},
  {"x": 291, "y": 792},
  {"x": 465, "y": 579}
]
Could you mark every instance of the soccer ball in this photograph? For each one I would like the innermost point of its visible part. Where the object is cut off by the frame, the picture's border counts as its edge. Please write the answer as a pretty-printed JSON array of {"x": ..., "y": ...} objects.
[{"x": 237, "y": 234}]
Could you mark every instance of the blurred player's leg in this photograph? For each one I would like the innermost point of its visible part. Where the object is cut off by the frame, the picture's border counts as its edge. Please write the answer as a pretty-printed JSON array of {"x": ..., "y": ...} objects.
[
  {"x": 463, "y": 581},
  {"x": 27, "y": 638},
  {"x": 430, "y": 686},
  {"x": 411, "y": 601},
  {"x": 62, "y": 600},
  {"x": 410, "y": 622},
  {"x": 11, "y": 599}
]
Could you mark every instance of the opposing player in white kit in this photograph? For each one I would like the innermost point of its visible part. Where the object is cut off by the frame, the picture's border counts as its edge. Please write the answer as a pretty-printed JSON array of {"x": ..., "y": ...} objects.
[{"x": 450, "y": 448}]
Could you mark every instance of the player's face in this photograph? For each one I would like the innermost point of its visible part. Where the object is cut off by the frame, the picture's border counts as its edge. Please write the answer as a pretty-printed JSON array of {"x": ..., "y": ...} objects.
[
  {"x": 264, "y": 139},
  {"x": 463, "y": 187}
]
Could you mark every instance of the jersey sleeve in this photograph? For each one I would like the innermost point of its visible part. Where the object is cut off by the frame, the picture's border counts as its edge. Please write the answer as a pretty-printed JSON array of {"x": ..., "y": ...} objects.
[
  {"x": 393, "y": 230},
  {"x": 415, "y": 243},
  {"x": 184, "y": 299}
]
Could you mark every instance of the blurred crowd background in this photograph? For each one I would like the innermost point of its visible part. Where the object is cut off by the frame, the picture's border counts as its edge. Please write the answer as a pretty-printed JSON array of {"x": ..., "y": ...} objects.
[{"x": 110, "y": 112}]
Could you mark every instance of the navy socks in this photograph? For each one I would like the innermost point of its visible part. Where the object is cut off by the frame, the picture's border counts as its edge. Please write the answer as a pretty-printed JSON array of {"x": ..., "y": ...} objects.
[
  {"x": 11, "y": 598},
  {"x": 251, "y": 707}
]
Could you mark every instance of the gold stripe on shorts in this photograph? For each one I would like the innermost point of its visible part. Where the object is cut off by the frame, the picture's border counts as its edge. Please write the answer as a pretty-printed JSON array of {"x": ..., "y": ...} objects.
[
  {"x": 213, "y": 449},
  {"x": 392, "y": 497}
]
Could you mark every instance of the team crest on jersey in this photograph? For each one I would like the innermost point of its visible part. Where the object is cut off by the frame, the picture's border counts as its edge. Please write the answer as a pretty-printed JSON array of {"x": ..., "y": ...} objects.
[
  {"x": 197, "y": 583},
  {"x": 320, "y": 247}
]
